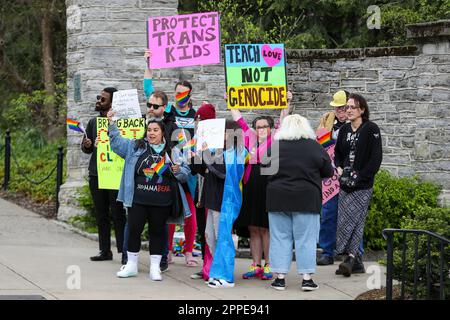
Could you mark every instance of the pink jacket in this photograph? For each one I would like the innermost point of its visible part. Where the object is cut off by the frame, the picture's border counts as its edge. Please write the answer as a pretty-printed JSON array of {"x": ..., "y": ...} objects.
[{"x": 251, "y": 141}]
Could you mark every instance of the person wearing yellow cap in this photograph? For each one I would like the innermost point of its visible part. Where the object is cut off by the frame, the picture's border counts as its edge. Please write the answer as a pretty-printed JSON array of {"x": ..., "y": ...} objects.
[{"x": 331, "y": 121}]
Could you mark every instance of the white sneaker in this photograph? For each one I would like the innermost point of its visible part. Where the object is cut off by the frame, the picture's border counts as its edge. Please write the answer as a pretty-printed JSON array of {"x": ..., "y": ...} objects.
[
  {"x": 220, "y": 283},
  {"x": 128, "y": 270},
  {"x": 155, "y": 274}
]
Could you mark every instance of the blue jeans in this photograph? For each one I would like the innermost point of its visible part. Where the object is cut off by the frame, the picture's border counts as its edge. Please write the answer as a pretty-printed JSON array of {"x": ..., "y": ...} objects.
[
  {"x": 328, "y": 225},
  {"x": 288, "y": 229},
  {"x": 166, "y": 247}
]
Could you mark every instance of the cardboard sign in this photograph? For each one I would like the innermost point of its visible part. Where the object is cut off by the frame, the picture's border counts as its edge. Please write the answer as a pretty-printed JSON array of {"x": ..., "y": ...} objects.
[
  {"x": 255, "y": 76},
  {"x": 212, "y": 132},
  {"x": 184, "y": 40},
  {"x": 125, "y": 104},
  {"x": 109, "y": 164},
  {"x": 330, "y": 186}
]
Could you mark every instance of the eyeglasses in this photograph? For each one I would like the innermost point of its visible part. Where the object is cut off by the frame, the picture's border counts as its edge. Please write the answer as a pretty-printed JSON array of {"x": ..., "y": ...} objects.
[
  {"x": 154, "y": 106},
  {"x": 102, "y": 99},
  {"x": 342, "y": 108},
  {"x": 351, "y": 107},
  {"x": 262, "y": 127}
]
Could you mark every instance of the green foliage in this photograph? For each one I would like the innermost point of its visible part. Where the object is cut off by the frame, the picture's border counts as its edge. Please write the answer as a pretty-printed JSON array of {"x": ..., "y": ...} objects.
[
  {"x": 86, "y": 223},
  {"x": 436, "y": 220},
  {"x": 395, "y": 199},
  {"x": 318, "y": 24},
  {"x": 37, "y": 159},
  {"x": 84, "y": 199}
]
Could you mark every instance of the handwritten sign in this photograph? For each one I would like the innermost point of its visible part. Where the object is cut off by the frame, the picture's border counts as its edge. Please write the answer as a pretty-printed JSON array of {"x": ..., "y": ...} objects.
[
  {"x": 126, "y": 104},
  {"x": 184, "y": 40},
  {"x": 109, "y": 164},
  {"x": 330, "y": 186},
  {"x": 212, "y": 132},
  {"x": 255, "y": 76}
]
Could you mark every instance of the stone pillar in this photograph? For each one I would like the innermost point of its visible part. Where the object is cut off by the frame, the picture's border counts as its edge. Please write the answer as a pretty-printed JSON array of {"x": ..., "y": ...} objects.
[
  {"x": 432, "y": 136},
  {"x": 105, "y": 47}
]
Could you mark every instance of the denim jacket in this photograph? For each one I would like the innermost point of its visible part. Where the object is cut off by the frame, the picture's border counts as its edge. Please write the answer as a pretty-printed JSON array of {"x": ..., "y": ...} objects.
[{"x": 125, "y": 148}]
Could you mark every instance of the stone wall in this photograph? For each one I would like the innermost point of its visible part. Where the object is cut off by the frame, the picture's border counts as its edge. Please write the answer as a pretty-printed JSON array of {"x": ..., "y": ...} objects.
[{"x": 407, "y": 88}]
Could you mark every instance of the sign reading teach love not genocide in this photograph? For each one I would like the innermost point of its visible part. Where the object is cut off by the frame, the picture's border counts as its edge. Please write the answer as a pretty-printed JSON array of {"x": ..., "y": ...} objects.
[
  {"x": 255, "y": 76},
  {"x": 109, "y": 164},
  {"x": 184, "y": 40}
]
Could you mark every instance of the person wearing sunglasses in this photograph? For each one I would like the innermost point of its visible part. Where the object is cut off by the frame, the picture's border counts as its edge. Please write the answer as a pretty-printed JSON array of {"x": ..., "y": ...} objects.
[
  {"x": 358, "y": 157},
  {"x": 104, "y": 200},
  {"x": 331, "y": 121}
]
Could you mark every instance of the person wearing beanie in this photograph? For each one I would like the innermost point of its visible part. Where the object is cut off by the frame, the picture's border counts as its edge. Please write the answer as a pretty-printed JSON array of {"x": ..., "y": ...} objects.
[{"x": 205, "y": 112}]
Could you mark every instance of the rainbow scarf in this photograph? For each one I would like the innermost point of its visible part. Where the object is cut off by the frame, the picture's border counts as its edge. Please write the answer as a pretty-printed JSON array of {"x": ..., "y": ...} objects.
[
  {"x": 75, "y": 125},
  {"x": 182, "y": 98},
  {"x": 325, "y": 140}
]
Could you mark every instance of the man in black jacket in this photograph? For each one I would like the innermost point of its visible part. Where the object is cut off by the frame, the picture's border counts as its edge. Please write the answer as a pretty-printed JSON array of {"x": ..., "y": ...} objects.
[{"x": 104, "y": 200}]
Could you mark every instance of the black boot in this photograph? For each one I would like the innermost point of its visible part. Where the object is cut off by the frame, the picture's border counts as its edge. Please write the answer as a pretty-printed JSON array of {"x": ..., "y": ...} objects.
[
  {"x": 346, "y": 267},
  {"x": 358, "y": 267},
  {"x": 102, "y": 256}
]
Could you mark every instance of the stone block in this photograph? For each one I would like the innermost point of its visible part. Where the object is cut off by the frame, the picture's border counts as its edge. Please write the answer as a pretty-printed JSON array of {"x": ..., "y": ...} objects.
[
  {"x": 381, "y": 86},
  {"x": 324, "y": 76},
  {"x": 422, "y": 151},
  {"x": 393, "y": 74},
  {"x": 376, "y": 63},
  {"x": 402, "y": 62},
  {"x": 348, "y": 64},
  {"x": 441, "y": 95}
]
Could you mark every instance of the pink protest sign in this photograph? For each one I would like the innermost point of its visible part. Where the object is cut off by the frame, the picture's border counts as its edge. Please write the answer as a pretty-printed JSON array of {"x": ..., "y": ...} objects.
[
  {"x": 184, "y": 40},
  {"x": 330, "y": 186}
]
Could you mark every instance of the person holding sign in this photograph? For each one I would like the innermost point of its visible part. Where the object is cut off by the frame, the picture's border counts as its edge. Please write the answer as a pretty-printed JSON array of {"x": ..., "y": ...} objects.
[
  {"x": 294, "y": 200},
  {"x": 358, "y": 156},
  {"x": 149, "y": 189},
  {"x": 180, "y": 134},
  {"x": 104, "y": 200},
  {"x": 253, "y": 217}
]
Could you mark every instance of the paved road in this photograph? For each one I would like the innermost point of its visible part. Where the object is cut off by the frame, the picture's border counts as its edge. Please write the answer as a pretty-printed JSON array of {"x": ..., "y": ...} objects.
[{"x": 40, "y": 257}]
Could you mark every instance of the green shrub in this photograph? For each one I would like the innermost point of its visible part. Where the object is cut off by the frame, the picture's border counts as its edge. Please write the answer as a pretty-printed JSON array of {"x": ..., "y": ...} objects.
[
  {"x": 36, "y": 160},
  {"x": 395, "y": 199},
  {"x": 85, "y": 222},
  {"x": 436, "y": 220}
]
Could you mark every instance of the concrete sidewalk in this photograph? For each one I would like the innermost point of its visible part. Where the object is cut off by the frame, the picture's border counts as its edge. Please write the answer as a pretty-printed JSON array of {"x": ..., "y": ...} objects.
[{"x": 38, "y": 257}]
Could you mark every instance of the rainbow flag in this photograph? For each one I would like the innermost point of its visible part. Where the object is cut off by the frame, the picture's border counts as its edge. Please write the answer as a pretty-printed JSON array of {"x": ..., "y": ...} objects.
[
  {"x": 182, "y": 98},
  {"x": 190, "y": 144},
  {"x": 325, "y": 140},
  {"x": 161, "y": 167},
  {"x": 75, "y": 125}
]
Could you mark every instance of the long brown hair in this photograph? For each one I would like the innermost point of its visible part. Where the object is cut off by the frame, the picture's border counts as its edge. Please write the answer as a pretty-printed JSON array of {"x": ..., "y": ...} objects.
[{"x": 362, "y": 104}]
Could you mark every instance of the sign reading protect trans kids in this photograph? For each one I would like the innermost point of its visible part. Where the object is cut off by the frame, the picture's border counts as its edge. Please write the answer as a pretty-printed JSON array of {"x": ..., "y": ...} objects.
[
  {"x": 255, "y": 76},
  {"x": 184, "y": 40}
]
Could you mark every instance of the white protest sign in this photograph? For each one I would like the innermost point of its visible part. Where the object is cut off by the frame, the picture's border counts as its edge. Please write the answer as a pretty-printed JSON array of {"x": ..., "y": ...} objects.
[
  {"x": 126, "y": 104},
  {"x": 212, "y": 132}
]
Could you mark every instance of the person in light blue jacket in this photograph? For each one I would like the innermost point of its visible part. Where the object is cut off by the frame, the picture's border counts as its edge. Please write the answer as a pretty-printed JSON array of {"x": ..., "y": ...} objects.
[{"x": 150, "y": 190}]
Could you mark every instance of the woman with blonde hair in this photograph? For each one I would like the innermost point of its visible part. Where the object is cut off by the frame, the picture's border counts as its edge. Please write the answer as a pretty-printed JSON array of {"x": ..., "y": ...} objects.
[{"x": 294, "y": 200}]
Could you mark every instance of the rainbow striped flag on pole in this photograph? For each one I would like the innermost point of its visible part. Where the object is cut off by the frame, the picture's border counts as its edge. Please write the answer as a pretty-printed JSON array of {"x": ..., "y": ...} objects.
[
  {"x": 75, "y": 125},
  {"x": 324, "y": 138}
]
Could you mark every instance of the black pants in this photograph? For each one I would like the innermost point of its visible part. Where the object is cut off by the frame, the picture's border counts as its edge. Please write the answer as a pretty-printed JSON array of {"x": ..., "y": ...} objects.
[
  {"x": 156, "y": 217},
  {"x": 104, "y": 201},
  {"x": 201, "y": 224}
]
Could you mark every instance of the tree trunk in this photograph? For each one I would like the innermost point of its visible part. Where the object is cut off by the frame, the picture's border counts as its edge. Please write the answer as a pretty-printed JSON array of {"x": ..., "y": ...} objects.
[{"x": 49, "y": 78}]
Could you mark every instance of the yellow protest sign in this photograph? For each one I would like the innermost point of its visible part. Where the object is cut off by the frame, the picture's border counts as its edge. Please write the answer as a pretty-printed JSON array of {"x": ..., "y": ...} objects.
[{"x": 109, "y": 164}]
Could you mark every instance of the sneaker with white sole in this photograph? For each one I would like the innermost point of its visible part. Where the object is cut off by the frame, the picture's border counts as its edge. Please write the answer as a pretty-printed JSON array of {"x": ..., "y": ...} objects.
[
  {"x": 220, "y": 283},
  {"x": 197, "y": 275},
  {"x": 128, "y": 270},
  {"x": 155, "y": 274},
  {"x": 309, "y": 285},
  {"x": 278, "y": 284}
]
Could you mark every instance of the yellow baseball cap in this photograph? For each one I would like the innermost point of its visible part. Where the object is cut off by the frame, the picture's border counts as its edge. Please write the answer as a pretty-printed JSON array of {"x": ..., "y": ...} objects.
[{"x": 339, "y": 99}]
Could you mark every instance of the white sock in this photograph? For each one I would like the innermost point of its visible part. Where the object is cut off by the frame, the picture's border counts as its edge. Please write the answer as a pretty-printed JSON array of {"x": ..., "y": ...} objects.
[
  {"x": 281, "y": 276},
  {"x": 133, "y": 257},
  {"x": 155, "y": 260},
  {"x": 307, "y": 276}
]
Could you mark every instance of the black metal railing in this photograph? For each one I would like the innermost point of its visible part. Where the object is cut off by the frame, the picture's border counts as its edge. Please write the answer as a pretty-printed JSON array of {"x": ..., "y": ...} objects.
[
  {"x": 388, "y": 234},
  {"x": 7, "y": 162}
]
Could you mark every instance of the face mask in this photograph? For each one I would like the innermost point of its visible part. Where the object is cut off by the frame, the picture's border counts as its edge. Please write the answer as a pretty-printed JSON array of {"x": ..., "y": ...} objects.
[{"x": 182, "y": 98}]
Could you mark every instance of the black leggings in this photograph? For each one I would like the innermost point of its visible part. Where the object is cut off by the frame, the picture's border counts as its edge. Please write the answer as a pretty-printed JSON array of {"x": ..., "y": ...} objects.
[{"x": 156, "y": 217}]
